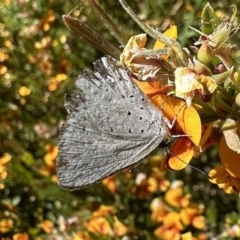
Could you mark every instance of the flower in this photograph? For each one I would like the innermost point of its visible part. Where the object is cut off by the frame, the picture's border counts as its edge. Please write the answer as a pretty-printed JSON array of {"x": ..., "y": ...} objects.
[
  {"x": 229, "y": 150},
  {"x": 99, "y": 225},
  {"x": 119, "y": 228},
  {"x": 220, "y": 176},
  {"x": 21, "y": 236},
  {"x": 171, "y": 227},
  {"x": 194, "y": 80},
  {"x": 175, "y": 198},
  {"x": 3, "y": 170},
  {"x": 159, "y": 210},
  {"x": 6, "y": 225},
  {"x": 191, "y": 215},
  {"x": 24, "y": 91},
  {"x": 103, "y": 211},
  {"x": 47, "y": 226},
  {"x": 110, "y": 184},
  {"x": 144, "y": 64}
]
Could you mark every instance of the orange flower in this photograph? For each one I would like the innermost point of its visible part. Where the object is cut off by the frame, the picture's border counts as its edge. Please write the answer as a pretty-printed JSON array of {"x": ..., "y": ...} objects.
[
  {"x": 119, "y": 229},
  {"x": 3, "y": 170},
  {"x": 99, "y": 225},
  {"x": 171, "y": 227},
  {"x": 206, "y": 139},
  {"x": 188, "y": 122},
  {"x": 110, "y": 184},
  {"x": 220, "y": 176},
  {"x": 81, "y": 236},
  {"x": 21, "y": 236},
  {"x": 103, "y": 211},
  {"x": 44, "y": 43},
  {"x": 50, "y": 161},
  {"x": 160, "y": 176},
  {"x": 54, "y": 81},
  {"x": 175, "y": 198},
  {"x": 231, "y": 132},
  {"x": 159, "y": 210},
  {"x": 3, "y": 69},
  {"x": 187, "y": 236},
  {"x": 46, "y": 21},
  {"x": 230, "y": 158},
  {"x": 50, "y": 157},
  {"x": 47, "y": 226},
  {"x": 6, "y": 225},
  {"x": 141, "y": 63},
  {"x": 191, "y": 215},
  {"x": 3, "y": 56},
  {"x": 144, "y": 185}
]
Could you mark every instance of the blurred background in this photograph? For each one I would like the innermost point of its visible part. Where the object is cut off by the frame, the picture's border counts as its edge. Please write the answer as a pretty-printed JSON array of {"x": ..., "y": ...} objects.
[{"x": 39, "y": 60}]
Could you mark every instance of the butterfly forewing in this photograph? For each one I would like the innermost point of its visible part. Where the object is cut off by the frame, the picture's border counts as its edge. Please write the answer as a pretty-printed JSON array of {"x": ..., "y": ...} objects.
[{"x": 111, "y": 126}]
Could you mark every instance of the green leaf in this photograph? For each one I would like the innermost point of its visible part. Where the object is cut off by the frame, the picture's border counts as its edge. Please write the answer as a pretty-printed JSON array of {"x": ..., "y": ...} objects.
[
  {"x": 28, "y": 158},
  {"x": 210, "y": 21},
  {"x": 23, "y": 175}
]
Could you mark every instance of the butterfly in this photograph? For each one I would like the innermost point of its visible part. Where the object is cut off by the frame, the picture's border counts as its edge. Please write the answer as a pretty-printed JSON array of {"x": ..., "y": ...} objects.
[{"x": 111, "y": 126}]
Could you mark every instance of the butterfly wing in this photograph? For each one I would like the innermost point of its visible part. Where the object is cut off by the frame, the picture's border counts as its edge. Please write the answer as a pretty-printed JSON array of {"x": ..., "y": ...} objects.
[{"x": 111, "y": 126}]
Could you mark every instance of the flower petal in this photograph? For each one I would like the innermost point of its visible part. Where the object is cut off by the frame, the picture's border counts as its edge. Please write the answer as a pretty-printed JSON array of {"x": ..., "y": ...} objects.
[
  {"x": 229, "y": 159},
  {"x": 231, "y": 132},
  {"x": 187, "y": 118},
  {"x": 170, "y": 33},
  {"x": 183, "y": 152}
]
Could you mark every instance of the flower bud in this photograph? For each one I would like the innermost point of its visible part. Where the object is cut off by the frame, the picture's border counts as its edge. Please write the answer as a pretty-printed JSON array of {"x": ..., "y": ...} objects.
[{"x": 205, "y": 54}]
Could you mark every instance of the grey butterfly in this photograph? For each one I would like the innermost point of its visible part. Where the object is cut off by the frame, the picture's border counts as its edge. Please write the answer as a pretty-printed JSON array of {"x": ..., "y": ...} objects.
[{"x": 111, "y": 126}]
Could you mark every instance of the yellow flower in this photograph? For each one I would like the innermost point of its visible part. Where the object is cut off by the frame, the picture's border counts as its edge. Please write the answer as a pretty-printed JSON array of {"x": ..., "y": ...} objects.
[
  {"x": 119, "y": 228},
  {"x": 159, "y": 210},
  {"x": 231, "y": 132},
  {"x": 24, "y": 91},
  {"x": 5, "y": 225},
  {"x": 220, "y": 176},
  {"x": 3, "y": 69},
  {"x": 46, "y": 21},
  {"x": 194, "y": 80},
  {"x": 191, "y": 215},
  {"x": 175, "y": 198},
  {"x": 144, "y": 186},
  {"x": 21, "y": 236},
  {"x": 186, "y": 236},
  {"x": 81, "y": 235},
  {"x": 54, "y": 81},
  {"x": 230, "y": 158},
  {"x": 47, "y": 226},
  {"x": 103, "y": 211},
  {"x": 206, "y": 139},
  {"x": 50, "y": 157},
  {"x": 99, "y": 225},
  {"x": 110, "y": 184},
  {"x": 3, "y": 170},
  {"x": 171, "y": 227}
]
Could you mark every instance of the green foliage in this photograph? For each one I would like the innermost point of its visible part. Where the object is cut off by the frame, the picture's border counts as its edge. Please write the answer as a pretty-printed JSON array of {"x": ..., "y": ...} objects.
[{"x": 35, "y": 48}]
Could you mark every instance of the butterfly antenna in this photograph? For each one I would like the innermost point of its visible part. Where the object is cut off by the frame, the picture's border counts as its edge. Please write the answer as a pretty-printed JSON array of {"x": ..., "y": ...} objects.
[{"x": 195, "y": 168}]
